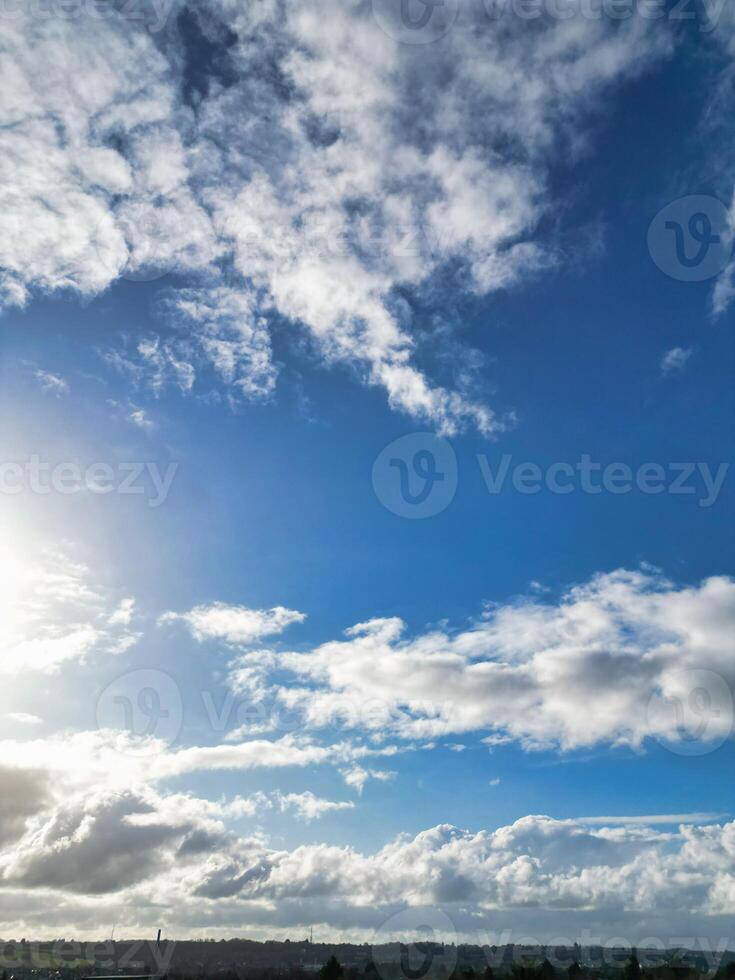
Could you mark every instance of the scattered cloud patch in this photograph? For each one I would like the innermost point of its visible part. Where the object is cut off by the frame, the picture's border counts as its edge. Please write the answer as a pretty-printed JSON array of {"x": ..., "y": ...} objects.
[
  {"x": 675, "y": 361},
  {"x": 53, "y": 384},
  {"x": 24, "y": 718},
  {"x": 308, "y": 807},
  {"x": 357, "y": 776},
  {"x": 234, "y": 624},
  {"x": 325, "y": 193}
]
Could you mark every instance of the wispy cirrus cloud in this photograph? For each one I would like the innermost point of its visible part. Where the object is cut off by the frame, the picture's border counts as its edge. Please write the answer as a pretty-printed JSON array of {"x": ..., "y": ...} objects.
[
  {"x": 652, "y": 819},
  {"x": 24, "y": 718}
]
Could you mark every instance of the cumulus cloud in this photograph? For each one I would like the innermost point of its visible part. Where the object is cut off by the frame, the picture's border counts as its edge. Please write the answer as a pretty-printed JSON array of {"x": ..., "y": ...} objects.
[
  {"x": 94, "y": 844},
  {"x": 51, "y": 614},
  {"x": 24, "y": 793},
  {"x": 617, "y": 660},
  {"x": 322, "y": 176},
  {"x": 133, "y": 846},
  {"x": 87, "y": 813}
]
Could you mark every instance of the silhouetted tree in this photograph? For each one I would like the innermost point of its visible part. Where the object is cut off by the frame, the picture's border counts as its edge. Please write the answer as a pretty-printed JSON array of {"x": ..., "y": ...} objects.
[
  {"x": 546, "y": 970},
  {"x": 575, "y": 971},
  {"x": 632, "y": 969},
  {"x": 523, "y": 970},
  {"x": 488, "y": 974},
  {"x": 332, "y": 970}
]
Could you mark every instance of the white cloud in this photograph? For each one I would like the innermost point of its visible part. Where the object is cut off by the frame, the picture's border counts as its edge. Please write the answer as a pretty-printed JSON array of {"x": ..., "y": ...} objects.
[
  {"x": 139, "y": 417},
  {"x": 308, "y": 807},
  {"x": 305, "y": 806},
  {"x": 24, "y": 718},
  {"x": 132, "y": 413},
  {"x": 52, "y": 383},
  {"x": 325, "y": 189},
  {"x": 124, "y": 613},
  {"x": 629, "y": 646},
  {"x": 135, "y": 846},
  {"x": 358, "y": 776},
  {"x": 88, "y": 815},
  {"x": 234, "y": 624},
  {"x": 257, "y": 754},
  {"x": 50, "y": 613},
  {"x": 116, "y": 759},
  {"x": 675, "y": 360}
]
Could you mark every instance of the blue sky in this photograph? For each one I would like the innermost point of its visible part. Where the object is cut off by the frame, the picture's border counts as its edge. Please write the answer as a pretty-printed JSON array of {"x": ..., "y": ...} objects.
[{"x": 546, "y": 638}]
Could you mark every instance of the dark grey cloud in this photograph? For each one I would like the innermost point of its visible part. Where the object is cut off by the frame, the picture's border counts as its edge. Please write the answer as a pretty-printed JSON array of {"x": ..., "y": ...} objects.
[{"x": 23, "y": 794}]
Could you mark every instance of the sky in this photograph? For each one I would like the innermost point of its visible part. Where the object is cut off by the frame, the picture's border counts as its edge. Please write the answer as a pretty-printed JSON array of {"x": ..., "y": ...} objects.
[{"x": 366, "y": 421}]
